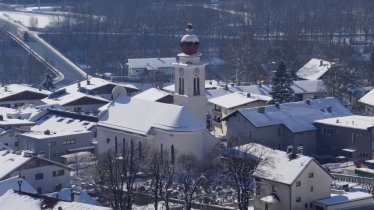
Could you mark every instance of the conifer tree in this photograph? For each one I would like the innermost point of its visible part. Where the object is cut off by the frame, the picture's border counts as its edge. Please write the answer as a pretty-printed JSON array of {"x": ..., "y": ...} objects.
[{"x": 281, "y": 90}]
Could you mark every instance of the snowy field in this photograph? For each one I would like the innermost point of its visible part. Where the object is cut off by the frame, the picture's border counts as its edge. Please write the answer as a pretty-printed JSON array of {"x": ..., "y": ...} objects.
[{"x": 39, "y": 21}]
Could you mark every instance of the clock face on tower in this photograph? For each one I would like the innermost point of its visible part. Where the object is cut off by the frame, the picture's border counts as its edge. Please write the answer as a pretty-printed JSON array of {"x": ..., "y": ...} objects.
[
  {"x": 196, "y": 71},
  {"x": 181, "y": 71}
]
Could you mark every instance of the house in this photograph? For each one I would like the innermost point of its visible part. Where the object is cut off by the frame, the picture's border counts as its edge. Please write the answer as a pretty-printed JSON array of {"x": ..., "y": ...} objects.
[
  {"x": 349, "y": 136},
  {"x": 99, "y": 87},
  {"x": 277, "y": 126},
  {"x": 16, "y": 95},
  {"x": 150, "y": 67},
  {"x": 157, "y": 95},
  {"x": 368, "y": 101},
  {"x": 287, "y": 180},
  {"x": 347, "y": 201},
  {"x": 58, "y": 133},
  {"x": 15, "y": 200},
  {"x": 75, "y": 101},
  {"x": 65, "y": 194},
  {"x": 229, "y": 103},
  {"x": 42, "y": 174},
  {"x": 152, "y": 123},
  {"x": 314, "y": 69}
]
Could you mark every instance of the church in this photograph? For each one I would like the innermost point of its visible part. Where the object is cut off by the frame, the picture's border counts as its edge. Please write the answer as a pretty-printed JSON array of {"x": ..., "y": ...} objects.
[{"x": 182, "y": 124}]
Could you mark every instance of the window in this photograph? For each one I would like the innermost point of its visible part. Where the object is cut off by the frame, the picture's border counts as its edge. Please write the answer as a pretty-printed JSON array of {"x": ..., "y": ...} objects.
[
  {"x": 39, "y": 189},
  {"x": 273, "y": 189},
  {"x": 16, "y": 144},
  {"x": 311, "y": 189},
  {"x": 279, "y": 131},
  {"x": 266, "y": 206},
  {"x": 311, "y": 175},
  {"x": 58, "y": 173},
  {"x": 67, "y": 142},
  {"x": 298, "y": 199},
  {"x": 306, "y": 205},
  {"x": 198, "y": 86},
  {"x": 39, "y": 176},
  {"x": 298, "y": 183},
  {"x": 310, "y": 205},
  {"x": 51, "y": 144},
  {"x": 194, "y": 87},
  {"x": 60, "y": 120}
]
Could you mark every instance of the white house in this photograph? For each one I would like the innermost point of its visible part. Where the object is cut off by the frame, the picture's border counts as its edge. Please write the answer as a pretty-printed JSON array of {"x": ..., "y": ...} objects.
[
  {"x": 55, "y": 135},
  {"x": 148, "y": 67},
  {"x": 287, "y": 181},
  {"x": 152, "y": 123},
  {"x": 314, "y": 69},
  {"x": 16, "y": 95},
  {"x": 277, "y": 126},
  {"x": 44, "y": 175}
]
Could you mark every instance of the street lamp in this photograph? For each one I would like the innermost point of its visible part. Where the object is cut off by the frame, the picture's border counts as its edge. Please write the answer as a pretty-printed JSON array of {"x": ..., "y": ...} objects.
[{"x": 19, "y": 181}]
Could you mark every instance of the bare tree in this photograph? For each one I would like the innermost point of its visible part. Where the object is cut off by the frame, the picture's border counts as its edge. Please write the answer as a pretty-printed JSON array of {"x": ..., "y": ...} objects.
[{"x": 117, "y": 172}]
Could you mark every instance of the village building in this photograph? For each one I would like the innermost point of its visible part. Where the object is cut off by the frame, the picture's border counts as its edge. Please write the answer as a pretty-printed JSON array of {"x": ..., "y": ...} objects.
[
  {"x": 151, "y": 68},
  {"x": 58, "y": 133},
  {"x": 15, "y": 95},
  {"x": 277, "y": 126},
  {"x": 315, "y": 69},
  {"x": 348, "y": 136},
  {"x": 44, "y": 175},
  {"x": 368, "y": 101},
  {"x": 287, "y": 180}
]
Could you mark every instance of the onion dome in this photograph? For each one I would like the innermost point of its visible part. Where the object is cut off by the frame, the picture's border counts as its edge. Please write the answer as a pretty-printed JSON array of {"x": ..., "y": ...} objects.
[{"x": 189, "y": 43}]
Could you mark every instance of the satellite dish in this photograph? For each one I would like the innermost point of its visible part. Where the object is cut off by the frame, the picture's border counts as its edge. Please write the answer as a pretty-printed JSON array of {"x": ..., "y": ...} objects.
[{"x": 118, "y": 91}]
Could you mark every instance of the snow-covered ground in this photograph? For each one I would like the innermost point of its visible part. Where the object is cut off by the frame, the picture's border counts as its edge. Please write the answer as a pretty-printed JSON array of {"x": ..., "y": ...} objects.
[{"x": 39, "y": 21}]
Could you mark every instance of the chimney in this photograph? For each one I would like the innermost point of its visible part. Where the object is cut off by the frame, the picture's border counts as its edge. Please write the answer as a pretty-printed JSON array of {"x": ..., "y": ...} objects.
[
  {"x": 261, "y": 109},
  {"x": 232, "y": 84},
  {"x": 300, "y": 150},
  {"x": 329, "y": 109},
  {"x": 248, "y": 95},
  {"x": 277, "y": 105},
  {"x": 260, "y": 84},
  {"x": 75, "y": 196},
  {"x": 226, "y": 87},
  {"x": 79, "y": 84},
  {"x": 88, "y": 82},
  {"x": 1, "y": 118},
  {"x": 6, "y": 88},
  {"x": 289, "y": 149},
  {"x": 337, "y": 120},
  {"x": 321, "y": 62},
  {"x": 47, "y": 132},
  {"x": 308, "y": 101}
]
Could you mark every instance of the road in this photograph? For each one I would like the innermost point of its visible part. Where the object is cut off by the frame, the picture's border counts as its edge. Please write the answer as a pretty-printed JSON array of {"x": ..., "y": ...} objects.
[{"x": 67, "y": 72}]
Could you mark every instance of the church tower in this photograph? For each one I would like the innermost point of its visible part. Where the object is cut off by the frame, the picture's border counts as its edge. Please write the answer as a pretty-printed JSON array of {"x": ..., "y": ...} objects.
[{"x": 190, "y": 76}]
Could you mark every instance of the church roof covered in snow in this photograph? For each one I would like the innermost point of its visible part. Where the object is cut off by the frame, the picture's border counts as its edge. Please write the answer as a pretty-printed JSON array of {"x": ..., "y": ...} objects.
[
  {"x": 139, "y": 116},
  {"x": 152, "y": 94},
  {"x": 314, "y": 69},
  {"x": 296, "y": 116}
]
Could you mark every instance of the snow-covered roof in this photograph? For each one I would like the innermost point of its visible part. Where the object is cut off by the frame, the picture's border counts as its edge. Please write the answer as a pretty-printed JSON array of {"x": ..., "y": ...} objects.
[
  {"x": 67, "y": 98},
  {"x": 368, "y": 98},
  {"x": 58, "y": 126},
  {"x": 353, "y": 121},
  {"x": 313, "y": 70},
  {"x": 238, "y": 99},
  {"x": 139, "y": 116},
  {"x": 151, "y": 63},
  {"x": 12, "y": 183},
  {"x": 152, "y": 94},
  {"x": 9, "y": 161},
  {"x": 8, "y": 120},
  {"x": 296, "y": 116},
  {"x": 13, "y": 89},
  {"x": 299, "y": 87},
  {"x": 65, "y": 194},
  {"x": 190, "y": 38},
  {"x": 94, "y": 83},
  {"x": 276, "y": 165},
  {"x": 15, "y": 201},
  {"x": 344, "y": 198}
]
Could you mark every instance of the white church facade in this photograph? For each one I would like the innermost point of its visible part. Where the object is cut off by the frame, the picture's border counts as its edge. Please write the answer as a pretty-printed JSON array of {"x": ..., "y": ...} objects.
[{"x": 182, "y": 124}]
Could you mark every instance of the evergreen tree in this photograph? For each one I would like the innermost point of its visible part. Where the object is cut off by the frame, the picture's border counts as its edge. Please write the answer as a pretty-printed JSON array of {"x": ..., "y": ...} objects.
[
  {"x": 48, "y": 82},
  {"x": 281, "y": 90}
]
